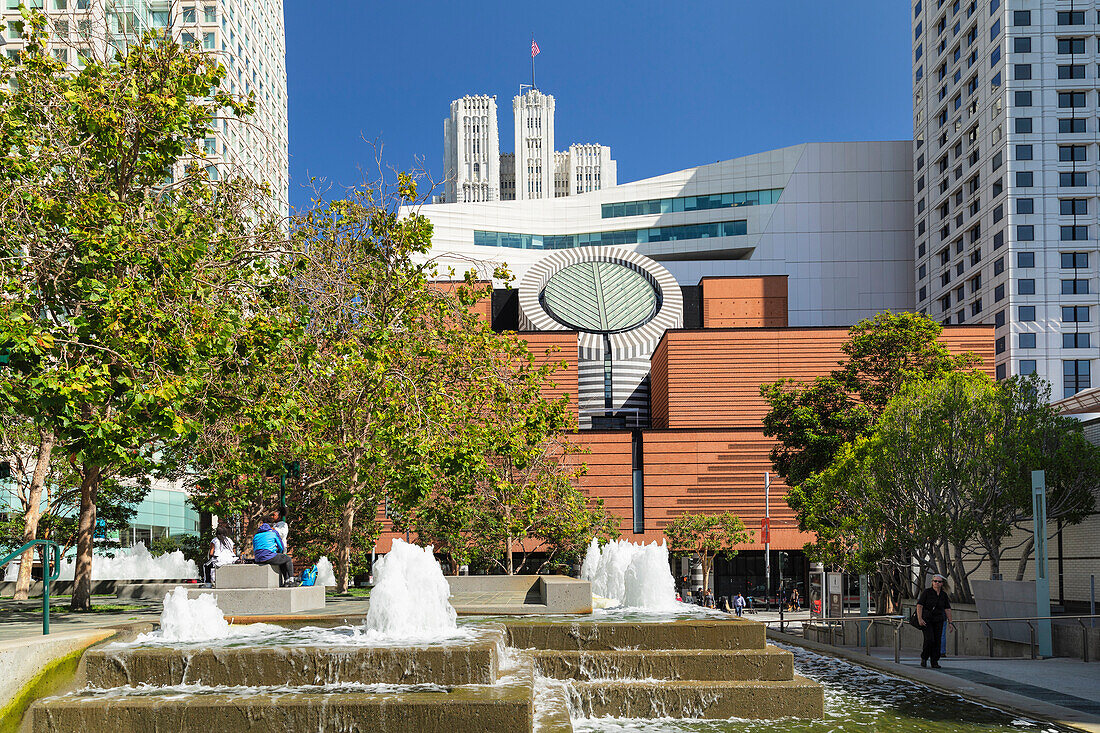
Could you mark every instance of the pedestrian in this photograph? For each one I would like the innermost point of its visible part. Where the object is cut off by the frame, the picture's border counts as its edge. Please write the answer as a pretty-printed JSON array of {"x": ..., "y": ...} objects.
[
  {"x": 698, "y": 596},
  {"x": 222, "y": 552},
  {"x": 739, "y": 604},
  {"x": 282, "y": 527},
  {"x": 268, "y": 549},
  {"x": 796, "y": 600},
  {"x": 708, "y": 599},
  {"x": 933, "y": 608}
]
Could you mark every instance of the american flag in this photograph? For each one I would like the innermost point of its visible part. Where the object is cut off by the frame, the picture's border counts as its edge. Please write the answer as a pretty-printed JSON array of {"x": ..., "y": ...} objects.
[{"x": 534, "y": 48}]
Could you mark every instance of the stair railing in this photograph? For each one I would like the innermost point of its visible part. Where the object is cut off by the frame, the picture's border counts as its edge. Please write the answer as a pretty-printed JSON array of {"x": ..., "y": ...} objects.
[{"x": 50, "y": 573}]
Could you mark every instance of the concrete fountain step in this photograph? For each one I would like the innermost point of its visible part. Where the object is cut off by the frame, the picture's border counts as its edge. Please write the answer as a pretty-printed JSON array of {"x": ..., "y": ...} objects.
[
  {"x": 684, "y": 664},
  {"x": 506, "y": 707},
  {"x": 457, "y": 663},
  {"x": 767, "y": 699},
  {"x": 629, "y": 635}
]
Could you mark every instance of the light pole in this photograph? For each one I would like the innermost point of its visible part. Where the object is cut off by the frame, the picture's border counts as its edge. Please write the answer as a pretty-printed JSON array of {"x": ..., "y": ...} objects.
[
  {"x": 1042, "y": 579},
  {"x": 767, "y": 542}
]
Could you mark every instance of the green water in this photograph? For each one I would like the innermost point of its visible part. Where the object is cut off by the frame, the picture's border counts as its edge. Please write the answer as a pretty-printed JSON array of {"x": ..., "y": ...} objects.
[{"x": 857, "y": 699}]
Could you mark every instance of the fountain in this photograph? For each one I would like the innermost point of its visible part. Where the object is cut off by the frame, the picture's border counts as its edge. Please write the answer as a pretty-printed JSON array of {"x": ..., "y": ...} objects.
[
  {"x": 411, "y": 666},
  {"x": 136, "y": 563},
  {"x": 325, "y": 575},
  {"x": 634, "y": 576}
]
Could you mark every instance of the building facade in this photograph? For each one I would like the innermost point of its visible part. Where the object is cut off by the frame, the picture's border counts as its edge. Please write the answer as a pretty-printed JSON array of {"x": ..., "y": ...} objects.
[
  {"x": 475, "y": 170},
  {"x": 1005, "y": 178}
]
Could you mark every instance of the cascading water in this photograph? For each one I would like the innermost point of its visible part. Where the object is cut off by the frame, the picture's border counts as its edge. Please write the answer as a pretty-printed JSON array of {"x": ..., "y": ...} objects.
[
  {"x": 325, "y": 575},
  {"x": 410, "y": 595},
  {"x": 637, "y": 576}
]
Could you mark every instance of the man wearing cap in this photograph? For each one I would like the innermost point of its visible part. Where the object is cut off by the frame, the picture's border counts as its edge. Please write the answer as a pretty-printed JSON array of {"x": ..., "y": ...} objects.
[{"x": 933, "y": 607}]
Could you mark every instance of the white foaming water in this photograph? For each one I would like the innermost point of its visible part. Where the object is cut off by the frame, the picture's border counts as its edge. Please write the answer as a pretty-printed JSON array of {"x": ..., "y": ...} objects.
[
  {"x": 11, "y": 572},
  {"x": 325, "y": 576},
  {"x": 637, "y": 576},
  {"x": 136, "y": 563},
  {"x": 409, "y": 599},
  {"x": 190, "y": 619}
]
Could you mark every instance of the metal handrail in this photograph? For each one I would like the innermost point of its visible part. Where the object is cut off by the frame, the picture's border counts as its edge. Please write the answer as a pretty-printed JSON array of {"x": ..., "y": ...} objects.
[
  {"x": 50, "y": 573},
  {"x": 898, "y": 622}
]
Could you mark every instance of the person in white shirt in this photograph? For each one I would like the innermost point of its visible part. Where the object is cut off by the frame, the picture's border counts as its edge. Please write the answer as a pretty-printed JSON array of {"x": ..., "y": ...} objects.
[{"x": 222, "y": 552}]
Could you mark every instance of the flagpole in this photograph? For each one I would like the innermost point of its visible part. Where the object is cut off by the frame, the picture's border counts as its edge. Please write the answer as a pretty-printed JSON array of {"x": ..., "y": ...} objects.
[{"x": 532, "y": 61}]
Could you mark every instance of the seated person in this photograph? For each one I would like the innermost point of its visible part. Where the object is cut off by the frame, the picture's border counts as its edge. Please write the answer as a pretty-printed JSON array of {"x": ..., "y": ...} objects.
[
  {"x": 222, "y": 552},
  {"x": 268, "y": 549}
]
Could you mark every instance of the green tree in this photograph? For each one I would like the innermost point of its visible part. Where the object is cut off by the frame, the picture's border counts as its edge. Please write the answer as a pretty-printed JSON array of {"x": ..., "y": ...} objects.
[
  {"x": 123, "y": 292},
  {"x": 706, "y": 536}
]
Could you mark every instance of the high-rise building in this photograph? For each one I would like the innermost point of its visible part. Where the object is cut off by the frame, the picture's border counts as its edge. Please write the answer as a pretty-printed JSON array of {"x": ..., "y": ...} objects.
[
  {"x": 475, "y": 170},
  {"x": 471, "y": 150},
  {"x": 246, "y": 35},
  {"x": 1005, "y": 178},
  {"x": 534, "y": 132}
]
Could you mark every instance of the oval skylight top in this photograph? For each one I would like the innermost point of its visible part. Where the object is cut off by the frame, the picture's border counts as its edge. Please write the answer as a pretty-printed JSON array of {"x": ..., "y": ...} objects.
[{"x": 599, "y": 297}]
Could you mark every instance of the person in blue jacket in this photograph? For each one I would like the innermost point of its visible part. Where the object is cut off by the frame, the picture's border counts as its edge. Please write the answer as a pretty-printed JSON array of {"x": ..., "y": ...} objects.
[{"x": 268, "y": 549}]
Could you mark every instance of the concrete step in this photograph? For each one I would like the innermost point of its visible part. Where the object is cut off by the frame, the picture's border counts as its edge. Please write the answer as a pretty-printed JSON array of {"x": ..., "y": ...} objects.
[
  {"x": 503, "y": 708},
  {"x": 458, "y": 663},
  {"x": 264, "y": 601},
  {"x": 761, "y": 700},
  {"x": 686, "y": 664},
  {"x": 730, "y": 633}
]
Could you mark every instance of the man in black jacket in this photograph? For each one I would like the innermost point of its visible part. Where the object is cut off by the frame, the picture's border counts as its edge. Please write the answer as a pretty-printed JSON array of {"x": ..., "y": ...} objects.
[{"x": 933, "y": 607}]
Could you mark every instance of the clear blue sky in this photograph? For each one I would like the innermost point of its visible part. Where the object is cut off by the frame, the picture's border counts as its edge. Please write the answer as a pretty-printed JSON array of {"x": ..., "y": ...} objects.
[{"x": 667, "y": 85}]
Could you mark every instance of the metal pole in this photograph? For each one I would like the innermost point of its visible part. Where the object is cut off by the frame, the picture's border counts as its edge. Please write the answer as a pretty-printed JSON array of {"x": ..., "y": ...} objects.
[
  {"x": 1042, "y": 578},
  {"x": 767, "y": 543},
  {"x": 1092, "y": 600},
  {"x": 864, "y": 605},
  {"x": 46, "y": 591}
]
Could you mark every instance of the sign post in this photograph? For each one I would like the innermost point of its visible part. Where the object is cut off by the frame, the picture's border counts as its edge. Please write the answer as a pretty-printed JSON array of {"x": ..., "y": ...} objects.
[
  {"x": 1042, "y": 579},
  {"x": 767, "y": 542}
]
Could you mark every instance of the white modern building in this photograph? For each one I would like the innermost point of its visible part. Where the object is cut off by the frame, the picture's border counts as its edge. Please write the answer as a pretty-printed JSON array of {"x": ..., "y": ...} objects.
[
  {"x": 835, "y": 218},
  {"x": 475, "y": 169},
  {"x": 1005, "y": 178},
  {"x": 246, "y": 35}
]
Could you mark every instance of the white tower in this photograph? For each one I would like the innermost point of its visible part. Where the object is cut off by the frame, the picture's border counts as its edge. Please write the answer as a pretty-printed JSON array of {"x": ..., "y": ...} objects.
[
  {"x": 471, "y": 150},
  {"x": 534, "y": 117}
]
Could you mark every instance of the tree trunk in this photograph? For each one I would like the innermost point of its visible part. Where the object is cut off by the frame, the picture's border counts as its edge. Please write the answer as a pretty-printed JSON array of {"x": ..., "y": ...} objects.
[
  {"x": 1025, "y": 553},
  {"x": 343, "y": 549},
  {"x": 85, "y": 540},
  {"x": 34, "y": 513},
  {"x": 508, "y": 556},
  {"x": 706, "y": 560},
  {"x": 994, "y": 563}
]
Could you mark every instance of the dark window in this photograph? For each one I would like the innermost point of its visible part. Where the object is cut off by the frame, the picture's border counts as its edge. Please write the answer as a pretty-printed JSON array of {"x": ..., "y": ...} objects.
[
  {"x": 1023, "y": 125},
  {"x": 1027, "y": 341},
  {"x": 1075, "y": 260},
  {"x": 993, "y": 59},
  {"x": 1072, "y": 153},
  {"x": 1071, "y": 45},
  {"x": 998, "y": 265},
  {"x": 1023, "y": 99},
  {"x": 976, "y": 307},
  {"x": 1073, "y": 233},
  {"x": 1027, "y": 366},
  {"x": 999, "y": 319},
  {"x": 1027, "y": 313},
  {"x": 998, "y": 213},
  {"x": 1068, "y": 100},
  {"x": 998, "y": 293},
  {"x": 1025, "y": 259},
  {"x": 1021, "y": 17},
  {"x": 1071, "y": 179},
  {"x": 1025, "y": 233},
  {"x": 1022, "y": 72},
  {"x": 1025, "y": 179},
  {"x": 1075, "y": 313},
  {"x": 921, "y": 249},
  {"x": 1071, "y": 124},
  {"x": 1078, "y": 286},
  {"x": 1068, "y": 71},
  {"x": 922, "y": 271},
  {"x": 923, "y": 293},
  {"x": 998, "y": 186},
  {"x": 1073, "y": 207},
  {"x": 1001, "y": 372},
  {"x": 1025, "y": 286},
  {"x": 1075, "y": 341},
  {"x": 994, "y": 29},
  {"x": 1071, "y": 17},
  {"x": 1021, "y": 44},
  {"x": 1076, "y": 374},
  {"x": 999, "y": 345},
  {"x": 1025, "y": 206}
]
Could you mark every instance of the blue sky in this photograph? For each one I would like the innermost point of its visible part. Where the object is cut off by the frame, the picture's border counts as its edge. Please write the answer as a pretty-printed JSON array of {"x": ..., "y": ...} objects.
[{"x": 667, "y": 85}]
